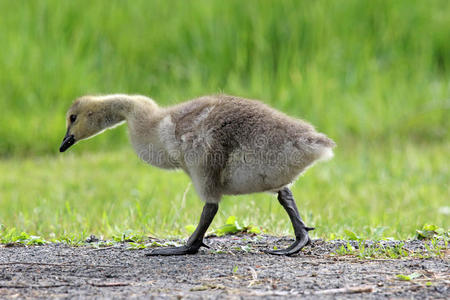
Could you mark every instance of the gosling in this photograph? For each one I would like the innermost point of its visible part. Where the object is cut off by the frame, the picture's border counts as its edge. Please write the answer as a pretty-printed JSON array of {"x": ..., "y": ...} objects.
[{"x": 227, "y": 145}]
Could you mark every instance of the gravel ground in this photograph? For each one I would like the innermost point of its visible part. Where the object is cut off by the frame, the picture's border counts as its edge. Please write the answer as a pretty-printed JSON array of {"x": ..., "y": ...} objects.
[{"x": 234, "y": 267}]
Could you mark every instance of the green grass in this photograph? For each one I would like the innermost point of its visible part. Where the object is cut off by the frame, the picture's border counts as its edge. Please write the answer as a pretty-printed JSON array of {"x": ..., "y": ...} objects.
[
  {"x": 367, "y": 69},
  {"x": 379, "y": 251},
  {"x": 373, "y": 75}
]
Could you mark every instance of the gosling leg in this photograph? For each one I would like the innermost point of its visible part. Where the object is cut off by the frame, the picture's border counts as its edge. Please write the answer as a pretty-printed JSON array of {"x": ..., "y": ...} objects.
[
  {"x": 301, "y": 231},
  {"x": 196, "y": 240}
]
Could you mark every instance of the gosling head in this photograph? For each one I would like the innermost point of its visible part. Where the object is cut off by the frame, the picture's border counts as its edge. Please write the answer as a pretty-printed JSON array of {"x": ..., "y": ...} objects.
[{"x": 87, "y": 117}]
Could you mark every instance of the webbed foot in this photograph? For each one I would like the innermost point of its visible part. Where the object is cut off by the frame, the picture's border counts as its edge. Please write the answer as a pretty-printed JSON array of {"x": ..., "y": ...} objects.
[
  {"x": 296, "y": 247},
  {"x": 196, "y": 240},
  {"x": 182, "y": 250}
]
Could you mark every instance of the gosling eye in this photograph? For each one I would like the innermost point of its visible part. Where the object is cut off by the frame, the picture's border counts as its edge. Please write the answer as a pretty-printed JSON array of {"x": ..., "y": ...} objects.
[{"x": 72, "y": 118}]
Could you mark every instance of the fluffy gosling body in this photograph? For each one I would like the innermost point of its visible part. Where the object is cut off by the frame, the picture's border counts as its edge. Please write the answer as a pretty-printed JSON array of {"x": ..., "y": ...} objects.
[{"x": 227, "y": 145}]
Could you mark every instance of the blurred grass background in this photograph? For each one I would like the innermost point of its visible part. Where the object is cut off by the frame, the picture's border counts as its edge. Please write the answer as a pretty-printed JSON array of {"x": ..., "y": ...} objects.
[{"x": 373, "y": 75}]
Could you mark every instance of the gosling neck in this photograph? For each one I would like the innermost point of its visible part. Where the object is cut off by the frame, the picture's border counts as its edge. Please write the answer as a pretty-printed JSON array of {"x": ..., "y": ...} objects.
[{"x": 119, "y": 108}]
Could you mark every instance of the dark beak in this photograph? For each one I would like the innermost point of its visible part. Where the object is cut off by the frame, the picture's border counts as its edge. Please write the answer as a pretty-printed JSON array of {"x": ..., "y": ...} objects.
[{"x": 68, "y": 141}]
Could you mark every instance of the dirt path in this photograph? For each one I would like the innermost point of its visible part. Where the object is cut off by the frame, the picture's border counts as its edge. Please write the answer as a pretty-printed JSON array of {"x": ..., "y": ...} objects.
[{"x": 236, "y": 267}]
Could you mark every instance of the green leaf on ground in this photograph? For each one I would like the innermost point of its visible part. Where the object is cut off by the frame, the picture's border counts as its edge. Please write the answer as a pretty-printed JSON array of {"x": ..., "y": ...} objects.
[
  {"x": 232, "y": 226},
  {"x": 408, "y": 277},
  {"x": 351, "y": 235},
  {"x": 430, "y": 231}
]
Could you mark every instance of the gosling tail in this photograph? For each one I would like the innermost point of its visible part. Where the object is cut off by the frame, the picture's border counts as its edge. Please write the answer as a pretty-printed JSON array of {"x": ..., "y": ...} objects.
[{"x": 319, "y": 145}]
